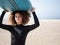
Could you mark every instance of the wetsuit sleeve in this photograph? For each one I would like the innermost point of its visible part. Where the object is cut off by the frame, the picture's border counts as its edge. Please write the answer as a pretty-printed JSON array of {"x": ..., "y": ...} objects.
[
  {"x": 36, "y": 23},
  {"x": 3, "y": 26}
]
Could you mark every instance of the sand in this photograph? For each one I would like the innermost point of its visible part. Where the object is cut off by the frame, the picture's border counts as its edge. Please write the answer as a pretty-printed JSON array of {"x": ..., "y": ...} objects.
[{"x": 48, "y": 33}]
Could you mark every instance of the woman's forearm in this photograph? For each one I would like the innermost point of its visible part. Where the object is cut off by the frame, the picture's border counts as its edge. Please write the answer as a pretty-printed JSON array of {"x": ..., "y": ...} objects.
[
  {"x": 1, "y": 17},
  {"x": 35, "y": 19}
]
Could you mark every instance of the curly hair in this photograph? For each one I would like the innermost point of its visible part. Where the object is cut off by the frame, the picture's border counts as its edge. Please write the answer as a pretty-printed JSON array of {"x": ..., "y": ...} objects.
[{"x": 25, "y": 17}]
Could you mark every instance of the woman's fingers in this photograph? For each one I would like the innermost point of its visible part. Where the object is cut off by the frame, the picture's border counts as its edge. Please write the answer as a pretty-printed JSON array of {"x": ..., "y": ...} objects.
[
  {"x": 6, "y": 10},
  {"x": 33, "y": 10}
]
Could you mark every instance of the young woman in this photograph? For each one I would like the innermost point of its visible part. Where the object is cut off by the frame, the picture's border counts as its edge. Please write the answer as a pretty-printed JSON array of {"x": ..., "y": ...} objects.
[{"x": 19, "y": 31}]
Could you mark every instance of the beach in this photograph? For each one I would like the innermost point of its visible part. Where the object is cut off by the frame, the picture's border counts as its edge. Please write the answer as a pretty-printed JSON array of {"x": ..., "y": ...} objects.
[{"x": 48, "y": 33}]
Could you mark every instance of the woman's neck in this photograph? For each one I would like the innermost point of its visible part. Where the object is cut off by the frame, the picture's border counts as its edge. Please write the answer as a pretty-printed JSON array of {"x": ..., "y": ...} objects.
[{"x": 19, "y": 24}]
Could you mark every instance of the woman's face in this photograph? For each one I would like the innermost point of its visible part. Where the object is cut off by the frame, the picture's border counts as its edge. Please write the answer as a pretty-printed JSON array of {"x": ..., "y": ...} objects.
[{"x": 18, "y": 18}]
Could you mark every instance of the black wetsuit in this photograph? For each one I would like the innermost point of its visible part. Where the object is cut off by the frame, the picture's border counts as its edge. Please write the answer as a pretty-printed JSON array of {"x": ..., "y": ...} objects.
[{"x": 19, "y": 32}]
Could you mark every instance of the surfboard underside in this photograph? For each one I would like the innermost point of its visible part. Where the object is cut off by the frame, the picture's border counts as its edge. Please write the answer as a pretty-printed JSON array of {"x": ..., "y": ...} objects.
[{"x": 13, "y": 5}]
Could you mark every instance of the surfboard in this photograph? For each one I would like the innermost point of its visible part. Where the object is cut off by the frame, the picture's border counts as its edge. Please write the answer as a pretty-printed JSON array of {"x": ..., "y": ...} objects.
[{"x": 13, "y": 5}]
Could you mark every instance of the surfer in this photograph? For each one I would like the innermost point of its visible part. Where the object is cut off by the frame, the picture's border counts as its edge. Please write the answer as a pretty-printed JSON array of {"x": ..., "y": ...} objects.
[{"x": 19, "y": 30}]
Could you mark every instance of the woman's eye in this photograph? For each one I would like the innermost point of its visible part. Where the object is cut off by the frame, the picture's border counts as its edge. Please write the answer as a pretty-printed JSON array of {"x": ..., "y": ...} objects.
[{"x": 15, "y": 16}]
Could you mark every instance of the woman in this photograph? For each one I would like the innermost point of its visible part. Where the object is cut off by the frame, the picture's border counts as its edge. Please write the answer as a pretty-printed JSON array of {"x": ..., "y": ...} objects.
[{"x": 19, "y": 31}]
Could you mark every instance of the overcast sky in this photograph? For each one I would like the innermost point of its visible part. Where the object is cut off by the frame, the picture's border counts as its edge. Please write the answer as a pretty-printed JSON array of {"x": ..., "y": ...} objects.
[{"x": 46, "y": 9}]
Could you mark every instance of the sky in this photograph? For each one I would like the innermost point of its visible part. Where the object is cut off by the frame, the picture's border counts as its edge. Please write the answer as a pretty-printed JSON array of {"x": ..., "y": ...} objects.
[{"x": 46, "y": 9}]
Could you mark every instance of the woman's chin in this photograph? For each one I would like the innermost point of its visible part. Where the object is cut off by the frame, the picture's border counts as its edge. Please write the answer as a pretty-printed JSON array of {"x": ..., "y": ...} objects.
[{"x": 19, "y": 23}]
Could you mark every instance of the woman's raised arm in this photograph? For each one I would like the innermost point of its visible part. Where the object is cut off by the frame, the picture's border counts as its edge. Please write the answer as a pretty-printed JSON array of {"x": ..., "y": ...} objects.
[
  {"x": 36, "y": 22},
  {"x": 3, "y": 26}
]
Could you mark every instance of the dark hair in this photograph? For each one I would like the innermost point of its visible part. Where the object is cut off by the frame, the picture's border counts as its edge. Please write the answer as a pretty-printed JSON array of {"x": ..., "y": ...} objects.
[{"x": 25, "y": 17}]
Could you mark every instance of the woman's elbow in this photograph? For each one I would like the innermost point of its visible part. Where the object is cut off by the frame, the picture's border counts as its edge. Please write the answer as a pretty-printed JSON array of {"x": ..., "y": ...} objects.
[{"x": 38, "y": 24}]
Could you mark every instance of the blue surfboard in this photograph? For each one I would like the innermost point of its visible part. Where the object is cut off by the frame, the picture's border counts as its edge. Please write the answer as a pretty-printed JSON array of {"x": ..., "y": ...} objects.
[{"x": 13, "y": 5}]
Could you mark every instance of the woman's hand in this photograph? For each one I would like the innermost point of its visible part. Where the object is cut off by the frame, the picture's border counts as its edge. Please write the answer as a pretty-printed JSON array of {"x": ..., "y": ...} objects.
[
  {"x": 32, "y": 10},
  {"x": 6, "y": 11}
]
